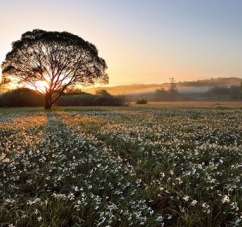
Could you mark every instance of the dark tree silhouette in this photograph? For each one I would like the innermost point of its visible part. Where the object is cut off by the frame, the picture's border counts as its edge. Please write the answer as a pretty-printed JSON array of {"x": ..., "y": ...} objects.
[
  {"x": 172, "y": 90},
  {"x": 58, "y": 59},
  {"x": 161, "y": 95}
]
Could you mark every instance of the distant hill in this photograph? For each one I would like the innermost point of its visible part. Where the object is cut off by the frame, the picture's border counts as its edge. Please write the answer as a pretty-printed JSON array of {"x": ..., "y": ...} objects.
[
  {"x": 232, "y": 81},
  {"x": 199, "y": 85}
]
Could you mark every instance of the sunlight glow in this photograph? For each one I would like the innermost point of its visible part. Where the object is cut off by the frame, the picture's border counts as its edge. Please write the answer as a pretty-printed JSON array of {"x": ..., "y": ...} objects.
[{"x": 40, "y": 86}]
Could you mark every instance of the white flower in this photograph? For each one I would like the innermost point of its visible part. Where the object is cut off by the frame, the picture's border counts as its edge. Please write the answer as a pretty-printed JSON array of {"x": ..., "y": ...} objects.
[
  {"x": 186, "y": 197},
  {"x": 179, "y": 180},
  {"x": 6, "y": 160},
  {"x": 205, "y": 205},
  {"x": 237, "y": 222},
  {"x": 169, "y": 217},
  {"x": 160, "y": 218},
  {"x": 225, "y": 199},
  {"x": 194, "y": 202},
  {"x": 39, "y": 218}
]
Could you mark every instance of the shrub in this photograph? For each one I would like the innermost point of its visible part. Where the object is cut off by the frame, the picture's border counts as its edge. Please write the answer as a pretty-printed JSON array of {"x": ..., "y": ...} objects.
[
  {"x": 141, "y": 101},
  {"x": 21, "y": 97},
  {"x": 101, "y": 98}
]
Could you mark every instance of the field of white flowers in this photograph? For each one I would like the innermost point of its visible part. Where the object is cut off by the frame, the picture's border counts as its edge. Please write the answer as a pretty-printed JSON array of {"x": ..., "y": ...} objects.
[{"x": 121, "y": 167}]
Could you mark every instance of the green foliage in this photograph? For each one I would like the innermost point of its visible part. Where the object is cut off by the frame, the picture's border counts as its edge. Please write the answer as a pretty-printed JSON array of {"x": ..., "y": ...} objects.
[{"x": 141, "y": 101}]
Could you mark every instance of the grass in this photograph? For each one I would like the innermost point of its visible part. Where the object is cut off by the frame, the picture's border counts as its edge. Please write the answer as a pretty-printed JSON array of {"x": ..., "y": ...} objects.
[
  {"x": 125, "y": 166},
  {"x": 192, "y": 104}
]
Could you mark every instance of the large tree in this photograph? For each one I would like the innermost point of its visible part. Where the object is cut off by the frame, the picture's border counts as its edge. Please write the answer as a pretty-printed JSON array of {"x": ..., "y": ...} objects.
[{"x": 57, "y": 59}]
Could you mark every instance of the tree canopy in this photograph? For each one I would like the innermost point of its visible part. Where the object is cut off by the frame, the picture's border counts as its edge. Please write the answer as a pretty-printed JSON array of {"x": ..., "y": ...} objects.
[{"x": 51, "y": 62}]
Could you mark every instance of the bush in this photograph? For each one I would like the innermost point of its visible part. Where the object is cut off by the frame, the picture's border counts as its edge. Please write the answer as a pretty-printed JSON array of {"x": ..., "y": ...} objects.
[
  {"x": 102, "y": 98},
  {"x": 21, "y": 97},
  {"x": 141, "y": 101}
]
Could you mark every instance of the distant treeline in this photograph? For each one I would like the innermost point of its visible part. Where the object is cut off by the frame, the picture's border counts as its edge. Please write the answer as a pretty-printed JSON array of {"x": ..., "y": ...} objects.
[
  {"x": 223, "y": 92},
  {"x": 101, "y": 98},
  {"x": 233, "y": 93},
  {"x": 136, "y": 89},
  {"x": 24, "y": 97}
]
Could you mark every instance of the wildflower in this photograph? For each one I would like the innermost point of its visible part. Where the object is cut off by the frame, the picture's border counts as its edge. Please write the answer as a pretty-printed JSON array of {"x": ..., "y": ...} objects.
[
  {"x": 194, "y": 202},
  {"x": 169, "y": 216},
  {"x": 159, "y": 218},
  {"x": 2, "y": 156},
  {"x": 225, "y": 199},
  {"x": 182, "y": 209},
  {"x": 71, "y": 196},
  {"x": 162, "y": 174},
  {"x": 237, "y": 222},
  {"x": 76, "y": 188},
  {"x": 179, "y": 180},
  {"x": 205, "y": 205},
  {"x": 6, "y": 160},
  {"x": 186, "y": 197},
  {"x": 234, "y": 206},
  {"x": 9, "y": 201},
  {"x": 39, "y": 218}
]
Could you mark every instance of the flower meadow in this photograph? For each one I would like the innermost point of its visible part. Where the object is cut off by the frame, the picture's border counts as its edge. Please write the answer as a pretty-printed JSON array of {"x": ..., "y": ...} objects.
[{"x": 121, "y": 167}]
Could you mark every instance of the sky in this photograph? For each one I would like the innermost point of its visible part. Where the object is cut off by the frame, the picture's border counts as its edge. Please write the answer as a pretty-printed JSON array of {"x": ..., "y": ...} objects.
[{"x": 142, "y": 41}]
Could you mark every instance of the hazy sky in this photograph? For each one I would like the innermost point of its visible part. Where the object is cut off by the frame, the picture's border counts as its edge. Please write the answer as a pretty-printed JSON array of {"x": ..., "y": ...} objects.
[{"x": 142, "y": 41}]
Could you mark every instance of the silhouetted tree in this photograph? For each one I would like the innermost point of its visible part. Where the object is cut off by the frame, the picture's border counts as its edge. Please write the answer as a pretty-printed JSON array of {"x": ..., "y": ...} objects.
[
  {"x": 73, "y": 91},
  {"x": 161, "y": 95},
  {"x": 172, "y": 90},
  {"x": 102, "y": 92},
  {"x": 103, "y": 98},
  {"x": 235, "y": 93},
  {"x": 59, "y": 59}
]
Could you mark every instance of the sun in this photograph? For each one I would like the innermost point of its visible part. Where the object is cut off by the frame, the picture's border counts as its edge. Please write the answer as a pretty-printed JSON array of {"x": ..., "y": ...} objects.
[{"x": 41, "y": 86}]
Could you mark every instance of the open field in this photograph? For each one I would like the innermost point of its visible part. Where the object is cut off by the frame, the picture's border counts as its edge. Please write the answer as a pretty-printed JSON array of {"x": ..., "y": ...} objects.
[
  {"x": 143, "y": 165},
  {"x": 192, "y": 104}
]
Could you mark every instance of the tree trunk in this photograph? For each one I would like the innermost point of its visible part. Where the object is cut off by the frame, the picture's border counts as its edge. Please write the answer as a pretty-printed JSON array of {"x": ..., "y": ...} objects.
[{"x": 48, "y": 103}]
